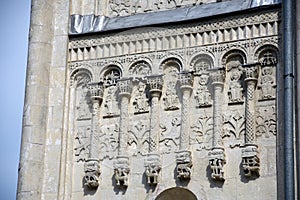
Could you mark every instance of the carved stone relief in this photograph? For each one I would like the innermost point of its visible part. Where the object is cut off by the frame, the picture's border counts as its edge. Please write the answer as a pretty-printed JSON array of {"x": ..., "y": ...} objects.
[
  {"x": 171, "y": 100},
  {"x": 234, "y": 128},
  {"x": 153, "y": 167},
  {"x": 266, "y": 121},
  {"x": 184, "y": 164},
  {"x": 108, "y": 140},
  {"x": 130, "y": 7},
  {"x": 235, "y": 90},
  {"x": 92, "y": 173},
  {"x": 82, "y": 143},
  {"x": 138, "y": 140},
  {"x": 170, "y": 133},
  {"x": 202, "y": 93},
  {"x": 121, "y": 169},
  {"x": 111, "y": 106},
  {"x": 140, "y": 100},
  {"x": 202, "y": 132},
  {"x": 84, "y": 104}
]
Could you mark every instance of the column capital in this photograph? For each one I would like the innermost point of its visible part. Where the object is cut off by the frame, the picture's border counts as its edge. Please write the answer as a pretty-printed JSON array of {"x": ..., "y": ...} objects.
[
  {"x": 217, "y": 76},
  {"x": 186, "y": 80},
  {"x": 96, "y": 90},
  {"x": 125, "y": 86},
  {"x": 155, "y": 83},
  {"x": 251, "y": 71}
]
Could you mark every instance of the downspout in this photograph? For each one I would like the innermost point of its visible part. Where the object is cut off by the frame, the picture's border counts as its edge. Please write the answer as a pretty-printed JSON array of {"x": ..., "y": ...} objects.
[
  {"x": 298, "y": 97},
  {"x": 288, "y": 58}
]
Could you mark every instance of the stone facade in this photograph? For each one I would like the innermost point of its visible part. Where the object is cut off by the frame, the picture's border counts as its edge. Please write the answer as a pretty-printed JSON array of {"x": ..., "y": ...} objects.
[{"x": 149, "y": 112}]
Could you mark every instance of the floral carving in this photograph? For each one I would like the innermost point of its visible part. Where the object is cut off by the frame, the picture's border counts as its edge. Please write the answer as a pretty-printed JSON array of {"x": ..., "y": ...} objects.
[
  {"x": 234, "y": 128},
  {"x": 266, "y": 121},
  {"x": 108, "y": 140},
  {"x": 202, "y": 131},
  {"x": 139, "y": 138}
]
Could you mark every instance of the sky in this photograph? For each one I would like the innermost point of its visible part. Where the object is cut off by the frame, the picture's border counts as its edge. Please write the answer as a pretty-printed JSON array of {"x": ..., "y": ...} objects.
[{"x": 14, "y": 28}]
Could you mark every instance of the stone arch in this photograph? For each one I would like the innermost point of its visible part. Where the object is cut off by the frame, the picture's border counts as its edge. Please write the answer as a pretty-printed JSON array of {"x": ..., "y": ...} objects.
[
  {"x": 176, "y": 193},
  {"x": 171, "y": 62},
  {"x": 267, "y": 53},
  {"x": 140, "y": 68},
  {"x": 201, "y": 62},
  {"x": 110, "y": 74},
  {"x": 235, "y": 54},
  {"x": 81, "y": 76}
]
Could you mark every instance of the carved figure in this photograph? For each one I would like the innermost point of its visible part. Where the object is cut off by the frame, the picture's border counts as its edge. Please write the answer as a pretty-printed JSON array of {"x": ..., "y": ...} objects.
[
  {"x": 83, "y": 144},
  {"x": 170, "y": 135},
  {"x": 202, "y": 94},
  {"x": 171, "y": 99},
  {"x": 184, "y": 164},
  {"x": 121, "y": 176},
  {"x": 92, "y": 173},
  {"x": 153, "y": 167},
  {"x": 140, "y": 102},
  {"x": 235, "y": 91},
  {"x": 267, "y": 83},
  {"x": 110, "y": 102},
  {"x": 250, "y": 160},
  {"x": 83, "y": 105},
  {"x": 217, "y": 162},
  {"x": 266, "y": 121},
  {"x": 121, "y": 170}
]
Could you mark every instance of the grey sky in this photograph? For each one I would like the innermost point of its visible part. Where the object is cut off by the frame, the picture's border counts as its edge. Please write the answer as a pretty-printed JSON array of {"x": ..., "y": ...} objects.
[{"x": 14, "y": 27}]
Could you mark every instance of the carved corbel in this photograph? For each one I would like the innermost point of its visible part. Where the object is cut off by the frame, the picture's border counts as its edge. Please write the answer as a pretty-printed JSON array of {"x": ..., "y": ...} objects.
[
  {"x": 92, "y": 167},
  {"x": 153, "y": 167},
  {"x": 121, "y": 170},
  {"x": 184, "y": 164},
  {"x": 217, "y": 161},
  {"x": 250, "y": 159},
  {"x": 217, "y": 154},
  {"x": 92, "y": 173}
]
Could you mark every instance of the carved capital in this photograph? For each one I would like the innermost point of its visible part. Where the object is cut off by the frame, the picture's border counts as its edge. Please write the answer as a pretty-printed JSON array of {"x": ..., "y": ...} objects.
[
  {"x": 217, "y": 161},
  {"x": 217, "y": 76},
  {"x": 186, "y": 80},
  {"x": 92, "y": 173},
  {"x": 153, "y": 167},
  {"x": 251, "y": 72},
  {"x": 125, "y": 87},
  {"x": 250, "y": 160},
  {"x": 184, "y": 164},
  {"x": 155, "y": 84},
  {"x": 96, "y": 90},
  {"x": 121, "y": 170}
]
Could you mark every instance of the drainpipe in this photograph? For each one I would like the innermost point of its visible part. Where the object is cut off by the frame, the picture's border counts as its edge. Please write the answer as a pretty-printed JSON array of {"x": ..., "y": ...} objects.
[
  {"x": 298, "y": 97},
  {"x": 288, "y": 10}
]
